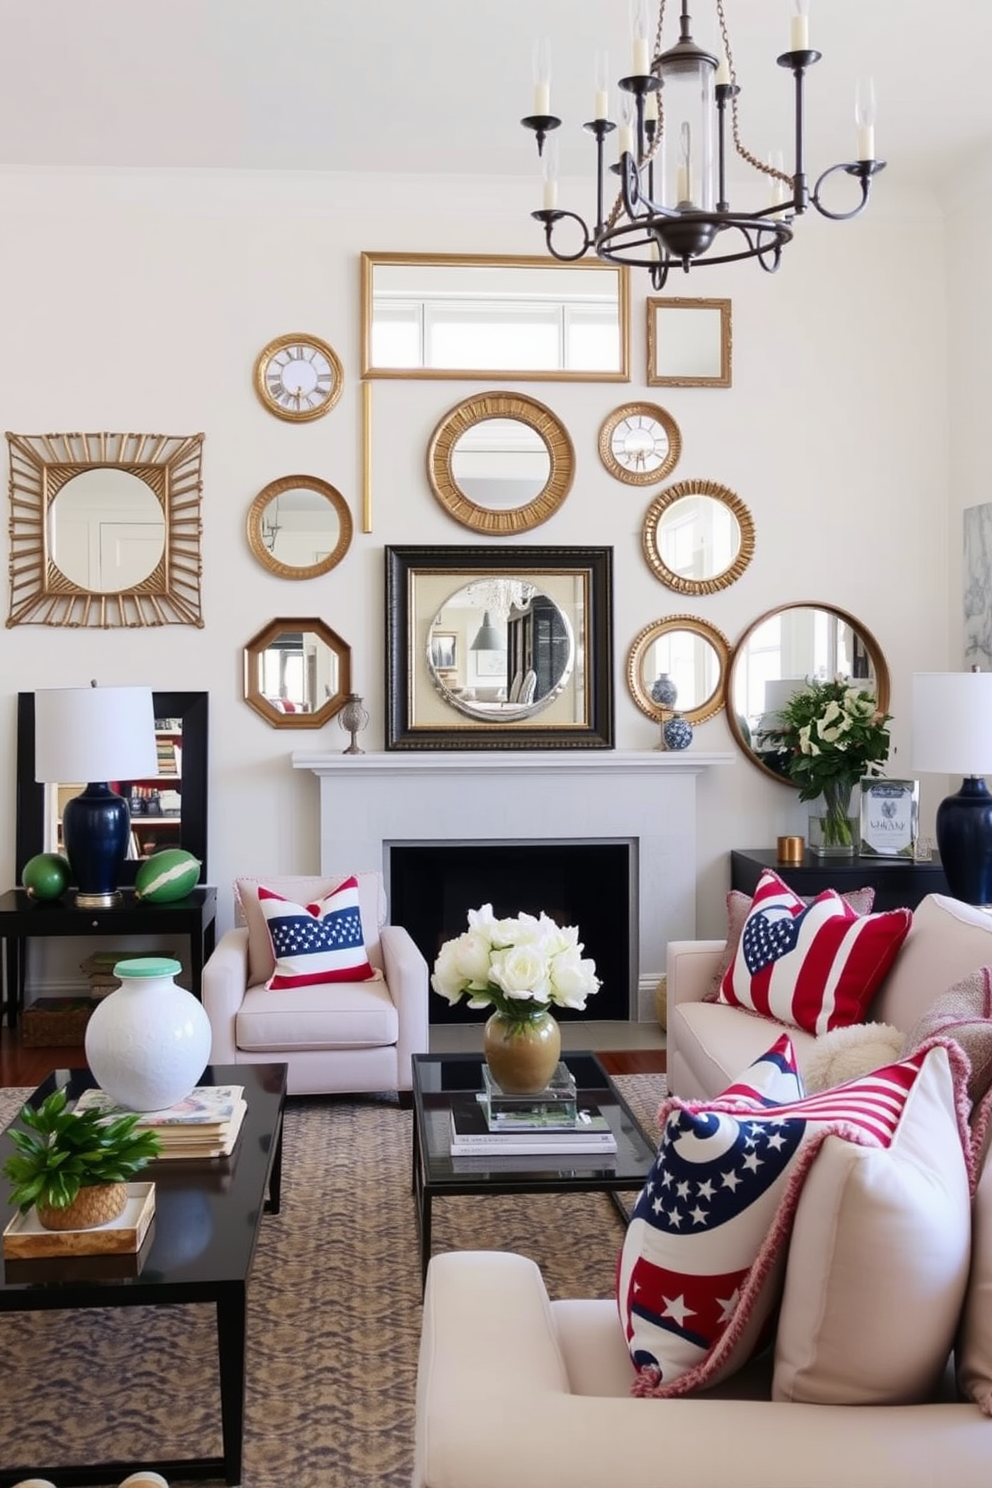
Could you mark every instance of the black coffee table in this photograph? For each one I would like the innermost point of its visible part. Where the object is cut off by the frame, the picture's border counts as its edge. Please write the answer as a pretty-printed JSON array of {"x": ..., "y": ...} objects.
[
  {"x": 178, "y": 1262},
  {"x": 438, "y": 1078}
]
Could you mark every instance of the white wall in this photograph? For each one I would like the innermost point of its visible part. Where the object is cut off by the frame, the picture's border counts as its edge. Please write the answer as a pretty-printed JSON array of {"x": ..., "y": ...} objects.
[{"x": 140, "y": 301}]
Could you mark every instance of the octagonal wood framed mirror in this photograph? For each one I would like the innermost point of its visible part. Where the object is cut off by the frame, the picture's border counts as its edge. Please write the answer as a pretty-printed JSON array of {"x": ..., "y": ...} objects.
[
  {"x": 105, "y": 529},
  {"x": 297, "y": 673},
  {"x": 500, "y": 463}
]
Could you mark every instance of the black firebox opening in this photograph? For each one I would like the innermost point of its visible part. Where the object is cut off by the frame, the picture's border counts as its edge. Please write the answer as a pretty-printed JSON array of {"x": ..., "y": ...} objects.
[{"x": 433, "y": 886}]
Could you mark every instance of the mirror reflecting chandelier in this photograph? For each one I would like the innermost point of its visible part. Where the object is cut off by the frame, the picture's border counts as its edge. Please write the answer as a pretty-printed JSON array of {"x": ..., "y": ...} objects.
[{"x": 672, "y": 207}]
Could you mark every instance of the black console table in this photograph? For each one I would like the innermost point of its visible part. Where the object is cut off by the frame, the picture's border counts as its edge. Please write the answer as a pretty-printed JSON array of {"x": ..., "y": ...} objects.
[
  {"x": 22, "y": 917},
  {"x": 898, "y": 882}
]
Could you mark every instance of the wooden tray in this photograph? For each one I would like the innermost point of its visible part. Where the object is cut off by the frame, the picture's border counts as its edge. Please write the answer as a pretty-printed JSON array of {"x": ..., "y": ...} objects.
[{"x": 25, "y": 1239}]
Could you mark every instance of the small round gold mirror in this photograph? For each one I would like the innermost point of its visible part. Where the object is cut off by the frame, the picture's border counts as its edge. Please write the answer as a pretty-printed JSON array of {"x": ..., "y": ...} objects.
[
  {"x": 640, "y": 443},
  {"x": 297, "y": 673},
  {"x": 774, "y": 657},
  {"x": 698, "y": 536},
  {"x": 678, "y": 664},
  {"x": 299, "y": 527},
  {"x": 500, "y": 463}
]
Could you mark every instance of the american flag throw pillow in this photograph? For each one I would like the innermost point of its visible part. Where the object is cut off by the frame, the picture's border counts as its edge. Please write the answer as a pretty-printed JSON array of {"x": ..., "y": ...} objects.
[
  {"x": 703, "y": 1259},
  {"x": 814, "y": 966},
  {"x": 319, "y": 942}
]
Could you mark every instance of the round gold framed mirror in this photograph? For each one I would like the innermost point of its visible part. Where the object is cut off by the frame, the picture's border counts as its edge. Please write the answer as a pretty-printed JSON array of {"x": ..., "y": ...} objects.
[
  {"x": 775, "y": 656},
  {"x": 297, "y": 673},
  {"x": 299, "y": 527},
  {"x": 500, "y": 463},
  {"x": 698, "y": 536},
  {"x": 640, "y": 443},
  {"x": 678, "y": 664}
]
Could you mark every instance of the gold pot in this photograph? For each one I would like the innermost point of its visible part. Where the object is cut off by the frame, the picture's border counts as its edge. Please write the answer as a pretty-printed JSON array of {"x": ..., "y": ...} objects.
[
  {"x": 522, "y": 1053},
  {"x": 96, "y": 1205}
]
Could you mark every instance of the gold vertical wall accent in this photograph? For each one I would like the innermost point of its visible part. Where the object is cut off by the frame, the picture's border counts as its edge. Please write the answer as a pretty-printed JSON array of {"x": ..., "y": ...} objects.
[{"x": 366, "y": 456}]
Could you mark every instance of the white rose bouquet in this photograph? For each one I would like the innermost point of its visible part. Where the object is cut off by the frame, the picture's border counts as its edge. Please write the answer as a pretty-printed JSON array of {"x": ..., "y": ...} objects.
[{"x": 519, "y": 966}]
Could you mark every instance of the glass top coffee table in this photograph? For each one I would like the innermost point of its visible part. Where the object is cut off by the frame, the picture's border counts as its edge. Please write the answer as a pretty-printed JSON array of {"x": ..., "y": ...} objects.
[
  {"x": 440, "y": 1079},
  {"x": 199, "y": 1248}
]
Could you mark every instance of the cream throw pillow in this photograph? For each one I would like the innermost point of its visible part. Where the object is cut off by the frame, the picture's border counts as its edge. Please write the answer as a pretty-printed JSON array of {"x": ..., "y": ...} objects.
[
  {"x": 974, "y": 1351},
  {"x": 846, "y": 1053},
  {"x": 878, "y": 1261}
]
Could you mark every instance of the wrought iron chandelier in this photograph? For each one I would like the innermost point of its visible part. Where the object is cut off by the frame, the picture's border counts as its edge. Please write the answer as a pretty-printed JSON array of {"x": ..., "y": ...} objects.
[{"x": 672, "y": 207}]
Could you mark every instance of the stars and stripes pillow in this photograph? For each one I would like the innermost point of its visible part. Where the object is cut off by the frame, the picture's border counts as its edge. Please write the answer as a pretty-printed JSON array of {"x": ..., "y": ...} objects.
[
  {"x": 702, "y": 1264},
  {"x": 814, "y": 966},
  {"x": 319, "y": 942}
]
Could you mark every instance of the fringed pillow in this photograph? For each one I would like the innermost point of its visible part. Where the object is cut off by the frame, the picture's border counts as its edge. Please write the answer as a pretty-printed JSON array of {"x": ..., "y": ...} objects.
[
  {"x": 738, "y": 909},
  {"x": 962, "y": 1013}
]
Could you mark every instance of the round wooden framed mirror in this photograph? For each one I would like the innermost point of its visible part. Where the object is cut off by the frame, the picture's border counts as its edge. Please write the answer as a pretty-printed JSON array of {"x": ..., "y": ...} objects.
[
  {"x": 775, "y": 656},
  {"x": 678, "y": 664},
  {"x": 299, "y": 527},
  {"x": 500, "y": 463},
  {"x": 698, "y": 536},
  {"x": 297, "y": 673}
]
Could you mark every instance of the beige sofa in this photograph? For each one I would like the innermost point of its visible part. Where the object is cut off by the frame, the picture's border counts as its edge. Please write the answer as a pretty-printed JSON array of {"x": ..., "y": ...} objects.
[
  {"x": 352, "y": 1037},
  {"x": 709, "y": 1043},
  {"x": 518, "y": 1391}
]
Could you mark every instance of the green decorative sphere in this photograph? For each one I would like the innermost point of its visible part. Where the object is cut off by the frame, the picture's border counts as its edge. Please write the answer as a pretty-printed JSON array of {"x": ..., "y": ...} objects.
[
  {"x": 167, "y": 875},
  {"x": 46, "y": 876}
]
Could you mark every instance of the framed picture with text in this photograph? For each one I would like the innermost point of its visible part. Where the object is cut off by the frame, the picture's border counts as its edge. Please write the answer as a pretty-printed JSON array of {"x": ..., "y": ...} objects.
[{"x": 890, "y": 817}]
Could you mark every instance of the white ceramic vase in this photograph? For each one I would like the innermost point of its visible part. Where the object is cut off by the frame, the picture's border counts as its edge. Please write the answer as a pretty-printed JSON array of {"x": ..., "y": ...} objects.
[{"x": 147, "y": 1044}]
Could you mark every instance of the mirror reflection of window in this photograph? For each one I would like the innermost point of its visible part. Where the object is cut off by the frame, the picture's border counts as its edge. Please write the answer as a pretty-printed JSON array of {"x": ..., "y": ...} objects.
[
  {"x": 296, "y": 671},
  {"x": 106, "y": 530},
  {"x": 787, "y": 648},
  {"x": 698, "y": 537},
  {"x": 500, "y": 464},
  {"x": 691, "y": 663}
]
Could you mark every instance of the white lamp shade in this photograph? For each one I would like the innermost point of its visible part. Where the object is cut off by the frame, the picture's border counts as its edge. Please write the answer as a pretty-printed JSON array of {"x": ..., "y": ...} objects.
[
  {"x": 94, "y": 734},
  {"x": 952, "y": 722}
]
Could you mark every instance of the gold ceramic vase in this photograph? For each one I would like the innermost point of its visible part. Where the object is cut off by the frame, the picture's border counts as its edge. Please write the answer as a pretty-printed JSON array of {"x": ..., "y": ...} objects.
[{"x": 522, "y": 1053}]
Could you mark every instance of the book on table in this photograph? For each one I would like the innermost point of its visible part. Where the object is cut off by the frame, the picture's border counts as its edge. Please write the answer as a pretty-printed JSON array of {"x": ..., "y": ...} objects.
[
  {"x": 471, "y": 1133},
  {"x": 204, "y": 1124}
]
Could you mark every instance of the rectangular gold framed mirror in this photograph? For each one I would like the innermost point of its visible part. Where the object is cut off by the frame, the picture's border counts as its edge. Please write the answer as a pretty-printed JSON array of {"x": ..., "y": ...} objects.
[
  {"x": 495, "y": 317},
  {"x": 690, "y": 343}
]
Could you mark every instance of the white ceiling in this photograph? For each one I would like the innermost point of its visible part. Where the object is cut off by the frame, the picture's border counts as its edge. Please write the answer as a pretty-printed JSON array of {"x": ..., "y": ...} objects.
[{"x": 433, "y": 86}]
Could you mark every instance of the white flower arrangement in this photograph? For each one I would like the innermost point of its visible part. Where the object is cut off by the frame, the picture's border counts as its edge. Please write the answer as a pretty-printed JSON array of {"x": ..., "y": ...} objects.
[{"x": 520, "y": 966}]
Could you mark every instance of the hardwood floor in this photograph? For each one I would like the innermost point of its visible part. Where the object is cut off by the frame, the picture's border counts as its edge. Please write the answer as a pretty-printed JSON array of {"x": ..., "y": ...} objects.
[{"x": 20, "y": 1066}]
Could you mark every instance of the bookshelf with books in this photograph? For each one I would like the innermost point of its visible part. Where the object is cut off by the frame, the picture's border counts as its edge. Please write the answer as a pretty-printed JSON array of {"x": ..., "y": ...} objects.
[
  {"x": 156, "y": 802},
  {"x": 205, "y": 1124}
]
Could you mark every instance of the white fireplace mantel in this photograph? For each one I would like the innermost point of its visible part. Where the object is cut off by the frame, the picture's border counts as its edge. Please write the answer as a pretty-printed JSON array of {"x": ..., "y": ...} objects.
[{"x": 369, "y": 802}]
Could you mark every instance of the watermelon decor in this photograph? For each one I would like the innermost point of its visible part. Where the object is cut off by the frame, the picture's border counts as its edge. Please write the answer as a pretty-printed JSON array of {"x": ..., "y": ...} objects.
[
  {"x": 167, "y": 875},
  {"x": 46, "y": 876}
]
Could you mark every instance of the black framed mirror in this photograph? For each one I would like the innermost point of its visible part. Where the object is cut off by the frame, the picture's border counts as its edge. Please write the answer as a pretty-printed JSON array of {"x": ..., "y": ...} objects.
[
  {"x": 186, "y": 714},
  {"x": 499, "y": 648}
]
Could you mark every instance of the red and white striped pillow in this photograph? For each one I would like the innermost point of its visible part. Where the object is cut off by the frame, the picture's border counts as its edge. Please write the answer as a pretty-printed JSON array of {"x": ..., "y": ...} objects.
[
  {"x": 814, "y": 966},
  {"x": 315, "y": 943}
]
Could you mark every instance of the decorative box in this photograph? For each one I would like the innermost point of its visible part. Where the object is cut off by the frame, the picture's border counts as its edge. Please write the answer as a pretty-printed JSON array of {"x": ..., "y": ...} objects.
[{"x": 55, "y": 1020}]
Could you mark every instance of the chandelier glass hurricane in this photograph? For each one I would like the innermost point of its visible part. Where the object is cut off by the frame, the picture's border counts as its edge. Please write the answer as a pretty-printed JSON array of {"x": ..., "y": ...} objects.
[{"x": 677, "y": 107}]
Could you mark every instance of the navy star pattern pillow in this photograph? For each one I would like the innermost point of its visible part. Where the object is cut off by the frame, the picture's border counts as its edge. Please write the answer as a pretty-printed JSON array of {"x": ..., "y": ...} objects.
[{"x": 315, "y": 943}]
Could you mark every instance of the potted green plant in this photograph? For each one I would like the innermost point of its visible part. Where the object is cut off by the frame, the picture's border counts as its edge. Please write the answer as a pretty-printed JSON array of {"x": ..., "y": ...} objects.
[{"x": 75, "y": 1169}]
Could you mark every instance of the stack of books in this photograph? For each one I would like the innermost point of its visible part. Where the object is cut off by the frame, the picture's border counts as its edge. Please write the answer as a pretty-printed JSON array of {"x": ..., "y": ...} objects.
[
  {"x": 205, "y": 1124},
  {"x": 495, "y": 1121}
]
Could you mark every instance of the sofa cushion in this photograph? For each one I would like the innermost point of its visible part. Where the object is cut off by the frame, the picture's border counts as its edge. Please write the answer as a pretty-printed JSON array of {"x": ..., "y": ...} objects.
[
  {"x": 878, "y": 1259},
  {"x": 717, "y": 1041},
  {"x": 360, "y": 1015},
  {"x": 318, "y": 942},
  {"x": 304, "y": 889},
  {"x": 704, "y": 1253},
  {"x": 974, "y": 1346},
  {"x": 814, "y": 966},
  {"x": 738, "y": 909},
  {"x": 946, "y": 940},
  {"x": 964, "y": 1014}
]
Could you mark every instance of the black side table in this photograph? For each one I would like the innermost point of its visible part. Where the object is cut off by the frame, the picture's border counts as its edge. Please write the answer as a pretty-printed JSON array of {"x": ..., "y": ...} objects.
[
  {"x": 899, "y": 883},
  {"x": 22, "y": 917}
]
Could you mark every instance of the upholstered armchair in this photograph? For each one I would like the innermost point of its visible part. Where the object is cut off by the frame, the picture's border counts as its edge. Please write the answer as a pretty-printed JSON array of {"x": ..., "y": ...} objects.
[{"x": 336, "y": 1035}]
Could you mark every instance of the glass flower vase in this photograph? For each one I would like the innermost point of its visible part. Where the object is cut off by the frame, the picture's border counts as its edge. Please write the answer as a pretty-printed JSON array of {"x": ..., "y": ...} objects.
[
  {"x": 522, "y": 1053},
  {"x": 833, "y": 831}
]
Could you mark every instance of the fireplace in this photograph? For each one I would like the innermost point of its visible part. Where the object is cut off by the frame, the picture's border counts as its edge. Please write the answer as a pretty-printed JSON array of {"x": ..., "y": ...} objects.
[
  {"x": 432, "y": 886},
  {"x": 369, "y": 803}
]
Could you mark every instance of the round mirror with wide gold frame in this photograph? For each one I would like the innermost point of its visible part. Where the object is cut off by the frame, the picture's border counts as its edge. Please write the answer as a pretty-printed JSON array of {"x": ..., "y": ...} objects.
[
  {"x": 678, "y": 664},
  {"x": 297, "y": 673},
  {"x": 500, "y": 463},
  {"x": 775, "y": 656},
  {"x": 299, "y": 527},
  {"x": 640, "y": 443},
  {"x": 698, "y": 536}
]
